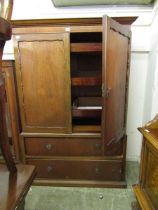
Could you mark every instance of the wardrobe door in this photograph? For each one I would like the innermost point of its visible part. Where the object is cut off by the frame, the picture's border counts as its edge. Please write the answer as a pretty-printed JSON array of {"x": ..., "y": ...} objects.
[
  {"x": 116, "y": 45},
  {"x": 43, "y": 78}
]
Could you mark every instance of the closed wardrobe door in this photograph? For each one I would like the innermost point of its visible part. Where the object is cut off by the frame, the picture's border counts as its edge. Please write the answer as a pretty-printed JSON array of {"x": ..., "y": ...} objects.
[{"x": 43, "y": 79}]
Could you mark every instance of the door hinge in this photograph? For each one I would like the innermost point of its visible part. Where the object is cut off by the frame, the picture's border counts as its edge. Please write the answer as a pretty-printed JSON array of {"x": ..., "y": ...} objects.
[
  {"x": 108, "y": 92},
  {"x": 105, "y": 93}
]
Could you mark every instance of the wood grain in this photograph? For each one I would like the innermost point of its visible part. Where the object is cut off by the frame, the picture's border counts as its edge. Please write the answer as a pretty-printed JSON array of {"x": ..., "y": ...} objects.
[
  {"x": 86, "y": 47},
  {"x": 44, "y": 82},
  {"x": 146, "y": 190},
  {"x": 78, "y": 169},
  {"x": 70, "y": 21},
  {"x": 46, "y": 89},
  {"x": 8, "y": 68},
  {"x": 86, "y": 81},
  {"x": 115, "y": 60},
  {"x": 6, "y": 9},
  {"x": 15, "y": 186},
  {"x": 63, "y": 146},
  {"x": 15, "y": 180}
]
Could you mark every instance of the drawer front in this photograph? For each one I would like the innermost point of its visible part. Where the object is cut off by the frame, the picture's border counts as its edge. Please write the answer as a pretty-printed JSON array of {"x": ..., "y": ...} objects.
[
  {"x": 78, "y": 169},
  {"x": 62, "y": 147}
]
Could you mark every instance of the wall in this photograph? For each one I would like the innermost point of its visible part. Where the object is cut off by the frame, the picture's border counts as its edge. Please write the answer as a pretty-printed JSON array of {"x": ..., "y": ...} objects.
[
  {"x": 143, "y": 97},
  {"x": 141, "y": 57},
  {"x": 151, "y": 98}
]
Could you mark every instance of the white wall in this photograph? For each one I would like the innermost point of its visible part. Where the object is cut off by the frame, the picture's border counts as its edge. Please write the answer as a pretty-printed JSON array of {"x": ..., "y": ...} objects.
[
  {"x": 145, "y": 101},
  {"x": 137, "y": 83},
  {"x": 25, "y": 9},
  {"x": 142, "y": 59},
  {"x": 151, "y": 99}
]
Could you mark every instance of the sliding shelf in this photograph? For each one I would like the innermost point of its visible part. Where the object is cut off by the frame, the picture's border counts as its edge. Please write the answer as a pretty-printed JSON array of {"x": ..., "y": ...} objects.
[
  {"x": 86, "y": 112},
  {"x": 86, "y": 128},
  {"x": 86, "y": 47},
  {"x": 86, "y": 81}
]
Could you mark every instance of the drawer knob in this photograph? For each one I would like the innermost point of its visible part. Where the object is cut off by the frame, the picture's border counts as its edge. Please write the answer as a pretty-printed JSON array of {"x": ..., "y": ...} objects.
[
  {"x": 97, "y": 171},
  {"x": 48, "y": 146},
  {"x": 98, "y": 146},
  {"x": 49, "y": 169}
]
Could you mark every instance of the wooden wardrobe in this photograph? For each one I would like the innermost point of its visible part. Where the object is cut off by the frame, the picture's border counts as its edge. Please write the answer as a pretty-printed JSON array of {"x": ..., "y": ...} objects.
[{"x": 71, "y": 77}]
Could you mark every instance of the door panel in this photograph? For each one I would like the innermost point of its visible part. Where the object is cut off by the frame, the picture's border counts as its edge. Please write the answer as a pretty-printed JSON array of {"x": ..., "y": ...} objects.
[
  {"x": 43, "y": 76},
  {"x": 115, "y": 65}
]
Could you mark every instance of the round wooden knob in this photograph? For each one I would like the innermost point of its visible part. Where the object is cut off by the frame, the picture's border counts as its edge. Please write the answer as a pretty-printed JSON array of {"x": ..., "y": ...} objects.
[
  {"x": 49, "y": 146},
  {"x": 98, "y": 146},
  {"x": 49, "y": 169}
]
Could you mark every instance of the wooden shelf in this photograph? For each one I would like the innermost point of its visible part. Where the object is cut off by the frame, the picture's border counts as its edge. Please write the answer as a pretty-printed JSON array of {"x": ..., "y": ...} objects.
[
  {"x": 86, "y": 47},
  {"x": 86, "y": 128},
  {"x": 87, "y": 101},
  {"x": 86, "y": 112},
  {"x": 86, "y": 81}
]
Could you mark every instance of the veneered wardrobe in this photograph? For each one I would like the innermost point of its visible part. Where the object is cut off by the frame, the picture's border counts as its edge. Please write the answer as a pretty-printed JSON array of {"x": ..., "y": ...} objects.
[{"x": 71, "y": 77}]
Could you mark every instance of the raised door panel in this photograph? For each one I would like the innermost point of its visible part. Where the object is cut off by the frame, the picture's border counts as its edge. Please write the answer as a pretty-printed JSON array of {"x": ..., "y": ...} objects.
[
  {"x": 116, "y": 42},
  {"x": 43, "y": 76}
]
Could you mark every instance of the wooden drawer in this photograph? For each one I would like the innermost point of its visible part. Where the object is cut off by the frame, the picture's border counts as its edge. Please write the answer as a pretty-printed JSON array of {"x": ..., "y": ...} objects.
[
  {"x": 62, "y": 146},
  {"x": 110, "y": 170}
]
